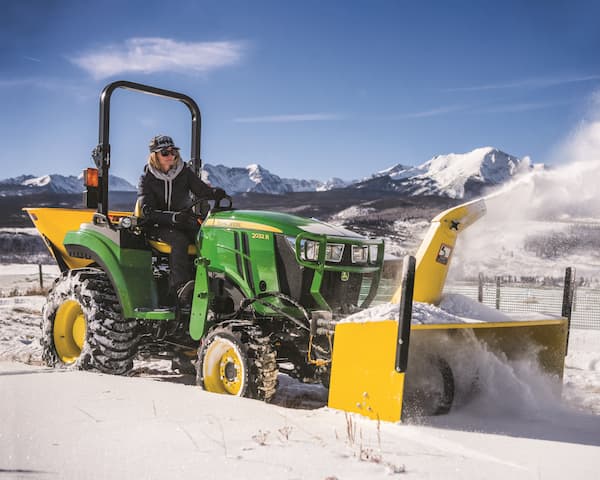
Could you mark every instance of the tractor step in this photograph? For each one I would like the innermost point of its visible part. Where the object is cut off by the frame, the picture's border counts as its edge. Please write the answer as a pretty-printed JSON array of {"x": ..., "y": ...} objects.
[{"x": 167, "y": 313}]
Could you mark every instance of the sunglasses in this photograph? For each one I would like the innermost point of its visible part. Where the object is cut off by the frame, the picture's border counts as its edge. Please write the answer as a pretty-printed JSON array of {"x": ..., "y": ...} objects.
[{"x": 164, "y": 152}]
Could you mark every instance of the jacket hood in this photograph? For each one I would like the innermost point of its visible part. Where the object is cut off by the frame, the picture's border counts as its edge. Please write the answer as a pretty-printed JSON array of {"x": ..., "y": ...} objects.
[{"x": 168, "y": 176}]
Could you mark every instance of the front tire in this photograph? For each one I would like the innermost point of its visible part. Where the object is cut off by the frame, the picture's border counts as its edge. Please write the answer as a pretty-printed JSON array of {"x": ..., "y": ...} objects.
[
  {"x": 237, "y": 359},
  {"x": 83, "y": 327}
]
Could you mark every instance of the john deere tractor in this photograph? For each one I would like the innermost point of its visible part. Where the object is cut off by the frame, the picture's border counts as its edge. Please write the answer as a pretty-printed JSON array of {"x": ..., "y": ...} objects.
[
  {"x": 267, "y": 285},
  {"x": 270, "y": 295}
]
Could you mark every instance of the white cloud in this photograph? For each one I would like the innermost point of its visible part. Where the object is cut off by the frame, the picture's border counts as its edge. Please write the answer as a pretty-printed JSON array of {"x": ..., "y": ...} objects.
[
  {"x": 149, "y": 55},
  {"x": 536, "y": 82},
  {"x": 470, "y": 109},
  {"x": 524, "y": 107},
  {"x": 303, "y": 117},
  {"x": 434, "y": 112}
]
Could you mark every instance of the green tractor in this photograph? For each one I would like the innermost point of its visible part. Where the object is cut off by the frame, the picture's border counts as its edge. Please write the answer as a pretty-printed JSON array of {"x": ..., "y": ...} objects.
[
  {"x": 269, "y": 295},
  {"x": 268, "y": 286}
]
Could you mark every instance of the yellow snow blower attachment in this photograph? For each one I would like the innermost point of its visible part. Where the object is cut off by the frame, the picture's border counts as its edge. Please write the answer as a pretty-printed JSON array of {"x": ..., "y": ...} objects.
[{"x": 371, "y": 372}]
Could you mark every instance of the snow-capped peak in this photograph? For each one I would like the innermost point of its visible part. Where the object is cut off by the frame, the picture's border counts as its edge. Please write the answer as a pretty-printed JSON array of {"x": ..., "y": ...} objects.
[
  {"x": 455, "y": 175},
  {"x": 396, "y": 172},
  {"x": 259, "y": 174},
  {"x": 37, "y": 181},
  {"x": 453, "y": 172},
  {"x": 486, "y": 162}
]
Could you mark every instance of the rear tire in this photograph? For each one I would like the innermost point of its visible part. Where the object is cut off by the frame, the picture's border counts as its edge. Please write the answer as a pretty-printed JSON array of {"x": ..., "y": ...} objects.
[
  {"x": 83, "y": 327},
  {"x": 237, "y": 359}
]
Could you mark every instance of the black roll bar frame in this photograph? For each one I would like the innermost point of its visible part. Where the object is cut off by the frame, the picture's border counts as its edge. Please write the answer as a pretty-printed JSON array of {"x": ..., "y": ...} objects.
[{"x": 101, "y": 154}]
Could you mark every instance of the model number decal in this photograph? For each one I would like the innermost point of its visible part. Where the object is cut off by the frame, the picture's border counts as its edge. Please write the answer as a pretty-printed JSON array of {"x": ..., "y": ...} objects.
[
  {"x": 444, "y": 254},
  {"x": 261, "y": 236}
]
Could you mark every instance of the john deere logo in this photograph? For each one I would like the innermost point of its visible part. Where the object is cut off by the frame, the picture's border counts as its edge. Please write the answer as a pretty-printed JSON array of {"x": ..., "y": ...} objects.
[{"x": 345, "y": 276}]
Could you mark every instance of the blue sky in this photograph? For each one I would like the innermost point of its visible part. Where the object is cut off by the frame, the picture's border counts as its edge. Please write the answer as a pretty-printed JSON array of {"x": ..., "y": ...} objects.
[{"x": 308, "y": 89}]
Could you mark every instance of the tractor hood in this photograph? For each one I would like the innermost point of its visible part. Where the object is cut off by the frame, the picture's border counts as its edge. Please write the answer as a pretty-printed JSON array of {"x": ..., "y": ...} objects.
[{"x": 289, "y": 225}]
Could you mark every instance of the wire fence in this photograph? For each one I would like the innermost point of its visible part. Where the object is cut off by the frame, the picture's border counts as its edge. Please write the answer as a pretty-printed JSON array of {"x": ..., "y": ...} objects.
[
  {"x": 517, "y": 297},
  {"x": 523, "y": 295}
]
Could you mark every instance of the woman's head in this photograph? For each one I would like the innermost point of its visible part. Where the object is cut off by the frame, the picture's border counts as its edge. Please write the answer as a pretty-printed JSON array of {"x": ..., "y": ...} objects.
[{"x": 164, "y": 155}]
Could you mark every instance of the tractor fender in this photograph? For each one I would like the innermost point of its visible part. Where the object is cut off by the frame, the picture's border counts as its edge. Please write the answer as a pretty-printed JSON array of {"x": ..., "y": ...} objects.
[{"x": 129, "y": 269}]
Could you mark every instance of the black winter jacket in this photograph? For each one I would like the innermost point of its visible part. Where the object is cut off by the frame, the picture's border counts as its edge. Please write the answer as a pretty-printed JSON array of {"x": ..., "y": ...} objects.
[{"x": 160, "y": 194}]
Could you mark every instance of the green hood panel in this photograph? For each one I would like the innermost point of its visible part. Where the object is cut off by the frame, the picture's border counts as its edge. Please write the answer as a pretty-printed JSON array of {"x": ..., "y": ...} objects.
[{"x": 289, "y": 225}]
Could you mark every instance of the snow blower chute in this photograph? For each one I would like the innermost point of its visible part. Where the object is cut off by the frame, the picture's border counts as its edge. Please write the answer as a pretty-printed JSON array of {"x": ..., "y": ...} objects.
[{"x": 371, "y": 373}]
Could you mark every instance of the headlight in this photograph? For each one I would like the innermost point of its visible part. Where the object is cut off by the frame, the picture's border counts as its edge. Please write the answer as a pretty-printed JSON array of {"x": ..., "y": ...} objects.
[
  {"x": 373, "y": 251},
  {"x": 310, "y": 250},
  {"x": 126, "y": 222},
  {"x": 334, "y": 252},
  {"x": 359, "y": 253}
]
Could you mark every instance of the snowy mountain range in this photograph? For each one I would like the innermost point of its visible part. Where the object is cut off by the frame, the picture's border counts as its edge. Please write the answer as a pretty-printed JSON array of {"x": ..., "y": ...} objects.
[
  {"x": 453, "y": 176},
  {"x": 55, "y": 183},
  {"x": 255, "y": 178}
]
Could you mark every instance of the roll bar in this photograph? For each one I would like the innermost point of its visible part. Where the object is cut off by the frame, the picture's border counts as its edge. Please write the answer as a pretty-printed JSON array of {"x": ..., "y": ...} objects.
[{"x": 101, "y": 154}]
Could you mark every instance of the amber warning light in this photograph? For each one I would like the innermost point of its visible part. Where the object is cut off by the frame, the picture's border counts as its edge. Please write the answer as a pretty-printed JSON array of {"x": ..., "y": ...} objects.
[
  {"x": 90, "y": 176},
  {"x": 91, "y": 195}
]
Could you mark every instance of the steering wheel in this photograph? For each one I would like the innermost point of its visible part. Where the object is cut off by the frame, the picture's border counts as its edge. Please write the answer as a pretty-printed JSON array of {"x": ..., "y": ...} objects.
[{"x": 217, "y": 207}]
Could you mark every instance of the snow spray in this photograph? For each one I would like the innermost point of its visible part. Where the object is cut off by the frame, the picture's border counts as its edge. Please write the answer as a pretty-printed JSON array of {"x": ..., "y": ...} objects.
[
  {"x": 487, "y": 384},
  {"x": 538, "y": 205}
]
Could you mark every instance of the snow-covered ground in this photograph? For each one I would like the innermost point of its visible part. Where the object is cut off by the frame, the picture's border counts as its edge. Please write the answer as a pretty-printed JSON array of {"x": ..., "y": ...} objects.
[
  {"x": 20, "y": 278},
  {"x": 351, "y": 212},
  {"x": 157, "y": 424}
]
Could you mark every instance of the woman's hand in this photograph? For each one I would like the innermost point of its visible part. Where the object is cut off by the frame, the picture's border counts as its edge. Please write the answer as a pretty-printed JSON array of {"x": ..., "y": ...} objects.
[
  {"x": 218, "y": 194},
  {"x": 186, "y": 220}
]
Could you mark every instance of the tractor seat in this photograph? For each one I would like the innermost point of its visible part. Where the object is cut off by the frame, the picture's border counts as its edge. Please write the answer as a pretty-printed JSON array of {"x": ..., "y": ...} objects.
[
  {"x": 155, "y": 242},
  {"x": 164, "y": 247}
]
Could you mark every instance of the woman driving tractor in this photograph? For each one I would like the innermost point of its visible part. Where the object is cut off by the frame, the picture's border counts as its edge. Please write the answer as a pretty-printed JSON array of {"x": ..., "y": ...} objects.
[{"x": 164, "y": 196}]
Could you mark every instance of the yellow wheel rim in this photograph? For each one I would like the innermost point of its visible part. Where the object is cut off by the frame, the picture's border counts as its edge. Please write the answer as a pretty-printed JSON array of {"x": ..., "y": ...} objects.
[
  {"x": 69, "y": 331},
  {"x": 223, "y": 369}
]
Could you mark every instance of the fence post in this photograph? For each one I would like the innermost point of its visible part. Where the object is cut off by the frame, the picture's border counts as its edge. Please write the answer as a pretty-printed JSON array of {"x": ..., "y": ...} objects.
[
  {"x": 567, "y": 303},
  {"x": 41, "y": 276},
  {"x": 480, "y": 288},
  {"x": 497, "y": 293}
]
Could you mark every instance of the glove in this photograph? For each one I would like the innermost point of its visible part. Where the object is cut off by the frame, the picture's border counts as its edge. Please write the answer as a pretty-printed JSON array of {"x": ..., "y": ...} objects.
[
  {"x": 218, "y": 194},
  {"x": 185, "y": 220}
]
